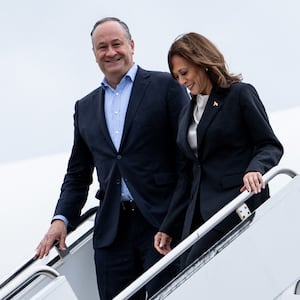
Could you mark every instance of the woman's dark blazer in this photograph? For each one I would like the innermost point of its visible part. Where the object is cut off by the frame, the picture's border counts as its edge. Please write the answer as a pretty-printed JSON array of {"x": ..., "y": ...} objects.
[{"x": 234, "y": 137}]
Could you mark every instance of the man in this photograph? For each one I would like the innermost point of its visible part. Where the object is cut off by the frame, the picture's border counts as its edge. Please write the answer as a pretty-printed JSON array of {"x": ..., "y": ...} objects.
[{"x": 126, "y": 129}]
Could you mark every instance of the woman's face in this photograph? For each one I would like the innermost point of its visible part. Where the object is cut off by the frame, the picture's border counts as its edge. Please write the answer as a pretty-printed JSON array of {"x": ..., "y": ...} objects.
[{"x": 194, "y": 78}]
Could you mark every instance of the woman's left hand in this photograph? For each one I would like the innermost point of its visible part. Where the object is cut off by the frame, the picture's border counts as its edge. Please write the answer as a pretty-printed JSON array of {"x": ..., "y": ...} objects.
[
  {"x": 162, "y": 243},
  {"x": 253, "y": 182}
]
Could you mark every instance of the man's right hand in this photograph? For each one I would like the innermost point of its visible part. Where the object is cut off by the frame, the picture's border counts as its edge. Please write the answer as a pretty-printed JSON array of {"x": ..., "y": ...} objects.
[{"x": 56, "y": 232}]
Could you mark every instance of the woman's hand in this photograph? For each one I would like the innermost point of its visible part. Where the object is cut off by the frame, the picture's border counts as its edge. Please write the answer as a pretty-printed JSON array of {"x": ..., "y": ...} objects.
[
  {"x": 253, "y": 182},
  {"x": 162, "y": 243}
]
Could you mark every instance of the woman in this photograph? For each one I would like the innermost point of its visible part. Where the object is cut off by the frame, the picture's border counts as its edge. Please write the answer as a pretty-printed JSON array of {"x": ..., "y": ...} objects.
[{"x": 226, "y": 139}]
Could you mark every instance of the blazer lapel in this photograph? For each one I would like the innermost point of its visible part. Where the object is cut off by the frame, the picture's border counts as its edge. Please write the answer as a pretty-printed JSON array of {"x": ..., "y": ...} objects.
[
  {"x": 213, "y": 106},
  {"x": 137, "y": 95},
  {"x": 102, "y": 119},
  {"x": 184, "y": 124}
]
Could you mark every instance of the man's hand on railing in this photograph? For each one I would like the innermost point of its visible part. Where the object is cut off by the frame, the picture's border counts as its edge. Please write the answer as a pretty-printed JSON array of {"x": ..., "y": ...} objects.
[
  {"x": 162, "y": 243},
  {"x": 56, "y": 232}
]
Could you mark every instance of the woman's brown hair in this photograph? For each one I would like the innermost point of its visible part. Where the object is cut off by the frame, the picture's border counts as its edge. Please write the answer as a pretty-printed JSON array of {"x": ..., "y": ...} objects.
[{"x": 200, "y": 51}]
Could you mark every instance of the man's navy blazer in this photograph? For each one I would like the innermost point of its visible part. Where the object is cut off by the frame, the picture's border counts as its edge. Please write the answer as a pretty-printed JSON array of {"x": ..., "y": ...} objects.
[
  {"x": 146, "y": 159},
  {"x": 234, "y": 137}
]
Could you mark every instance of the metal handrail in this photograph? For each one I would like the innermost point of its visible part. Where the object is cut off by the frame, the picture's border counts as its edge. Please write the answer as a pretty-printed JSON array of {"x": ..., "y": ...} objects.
[
  {"x": 41, "y": 270},
  {"x": 27, "y": 264},
  {"x": 196, "y": 235}
]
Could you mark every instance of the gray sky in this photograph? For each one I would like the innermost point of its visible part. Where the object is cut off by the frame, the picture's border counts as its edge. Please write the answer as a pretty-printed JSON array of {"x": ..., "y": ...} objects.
[{"x": 47, "y": 63}]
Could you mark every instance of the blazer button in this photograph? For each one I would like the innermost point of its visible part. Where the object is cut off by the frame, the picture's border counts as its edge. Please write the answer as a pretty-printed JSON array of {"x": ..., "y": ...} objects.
[
  {"x": 118, "y": 181},
  {"x": 119, "y": 156}
]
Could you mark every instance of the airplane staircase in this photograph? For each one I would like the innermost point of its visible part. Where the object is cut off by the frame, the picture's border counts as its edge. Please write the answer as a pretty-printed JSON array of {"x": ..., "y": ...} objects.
[
  {"x": 257, "y": 260},
  {"x": 66, "y": 275}
]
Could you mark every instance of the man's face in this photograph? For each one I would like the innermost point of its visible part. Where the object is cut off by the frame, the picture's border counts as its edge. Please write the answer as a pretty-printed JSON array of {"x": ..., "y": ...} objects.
[{"x": 113, "y": 51}]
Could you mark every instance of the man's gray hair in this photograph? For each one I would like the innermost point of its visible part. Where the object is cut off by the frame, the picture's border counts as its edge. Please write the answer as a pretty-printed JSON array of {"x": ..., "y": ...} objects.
[{"x": 123, "y": 24}]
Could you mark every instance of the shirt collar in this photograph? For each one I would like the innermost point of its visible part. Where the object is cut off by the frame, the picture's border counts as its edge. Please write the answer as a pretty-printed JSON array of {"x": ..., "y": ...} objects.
[{"x": 130, "y": 74}]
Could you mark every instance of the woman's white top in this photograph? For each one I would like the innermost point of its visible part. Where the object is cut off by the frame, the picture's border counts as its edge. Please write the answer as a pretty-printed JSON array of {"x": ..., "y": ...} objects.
[{"x": 201, "y": 101}]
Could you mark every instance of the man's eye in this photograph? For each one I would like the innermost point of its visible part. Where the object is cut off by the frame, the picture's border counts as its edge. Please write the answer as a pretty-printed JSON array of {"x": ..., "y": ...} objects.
[{"x": 101, "y": 47}]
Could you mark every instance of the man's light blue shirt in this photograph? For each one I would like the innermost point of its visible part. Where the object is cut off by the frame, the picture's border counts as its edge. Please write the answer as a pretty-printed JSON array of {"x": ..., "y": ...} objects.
[{"x": 115, "y": 108}]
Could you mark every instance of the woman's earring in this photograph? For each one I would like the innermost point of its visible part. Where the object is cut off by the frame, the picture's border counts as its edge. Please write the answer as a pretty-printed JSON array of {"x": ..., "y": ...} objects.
[{"x": 206, "y": 69}]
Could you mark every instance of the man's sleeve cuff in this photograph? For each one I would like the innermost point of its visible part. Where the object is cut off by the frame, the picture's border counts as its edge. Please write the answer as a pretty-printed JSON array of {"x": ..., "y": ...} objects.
[{"x": 62, "y": 218}]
